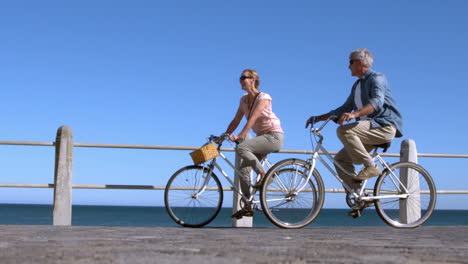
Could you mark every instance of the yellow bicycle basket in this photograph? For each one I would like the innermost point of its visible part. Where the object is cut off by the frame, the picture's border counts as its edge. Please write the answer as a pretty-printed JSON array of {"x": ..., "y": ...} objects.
[{"x": 204, "y": 153}]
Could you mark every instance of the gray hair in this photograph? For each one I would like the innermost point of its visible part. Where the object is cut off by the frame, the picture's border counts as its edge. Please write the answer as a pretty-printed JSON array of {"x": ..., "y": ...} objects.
[{"x": 363, "y": 55}]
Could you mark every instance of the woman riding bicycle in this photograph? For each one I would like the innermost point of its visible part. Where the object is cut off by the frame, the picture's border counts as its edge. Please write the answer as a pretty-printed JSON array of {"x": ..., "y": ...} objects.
[{"x": 257, "y": 108}]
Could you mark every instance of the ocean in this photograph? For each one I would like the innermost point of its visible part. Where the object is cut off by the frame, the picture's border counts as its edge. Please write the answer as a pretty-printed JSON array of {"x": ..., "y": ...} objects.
[{"x": 141, "y": 216}]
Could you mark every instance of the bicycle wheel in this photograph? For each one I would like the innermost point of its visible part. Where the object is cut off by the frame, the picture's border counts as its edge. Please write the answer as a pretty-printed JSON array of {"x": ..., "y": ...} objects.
[
  {"x": 283, "y": 205},
  {"x": 413, "y": 210},
  {"x": 191, "y": 199}
]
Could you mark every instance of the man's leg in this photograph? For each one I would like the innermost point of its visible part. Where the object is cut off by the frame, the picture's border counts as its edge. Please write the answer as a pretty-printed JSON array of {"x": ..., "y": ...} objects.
[
  {"x": 345, "y": 161},
  {"x": 358, "y": 139}
]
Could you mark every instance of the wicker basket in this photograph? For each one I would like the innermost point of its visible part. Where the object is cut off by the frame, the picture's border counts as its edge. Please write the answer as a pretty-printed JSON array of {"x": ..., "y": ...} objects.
[{"x": 204, "y": 153}]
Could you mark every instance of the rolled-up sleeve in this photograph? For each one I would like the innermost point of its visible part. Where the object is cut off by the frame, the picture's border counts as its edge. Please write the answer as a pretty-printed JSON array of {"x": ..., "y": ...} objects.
[{"x": 377, "y": 89}]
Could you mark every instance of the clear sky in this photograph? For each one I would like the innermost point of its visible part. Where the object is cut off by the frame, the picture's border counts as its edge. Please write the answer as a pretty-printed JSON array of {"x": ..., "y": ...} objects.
[{"x": 166, "y": 73}]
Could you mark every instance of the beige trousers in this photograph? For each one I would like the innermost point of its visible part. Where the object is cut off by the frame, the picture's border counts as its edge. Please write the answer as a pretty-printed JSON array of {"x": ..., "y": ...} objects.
[
  {"x": 251, "y": 151},
  {"x": 358, "y": 139}
]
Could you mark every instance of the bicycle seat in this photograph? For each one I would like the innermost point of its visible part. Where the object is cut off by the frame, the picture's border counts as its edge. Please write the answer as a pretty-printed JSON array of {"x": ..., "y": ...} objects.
[{"x": 383, "y": 146}]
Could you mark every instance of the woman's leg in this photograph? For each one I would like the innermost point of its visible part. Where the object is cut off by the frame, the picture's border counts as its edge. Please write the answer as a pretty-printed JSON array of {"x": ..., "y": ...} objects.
[{"x": 252, "y": 149}]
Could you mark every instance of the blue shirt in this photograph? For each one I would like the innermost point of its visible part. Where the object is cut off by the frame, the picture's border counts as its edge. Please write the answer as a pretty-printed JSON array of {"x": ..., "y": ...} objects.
[{"x": 375, "y": 91}]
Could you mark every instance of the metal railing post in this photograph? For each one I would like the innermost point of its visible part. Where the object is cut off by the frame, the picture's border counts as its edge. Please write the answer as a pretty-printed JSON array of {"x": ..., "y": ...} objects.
[
  {"x": 246, "y": 221},
  {"x": 63, "y": 177},
  {"x": 410, "y": 209}
]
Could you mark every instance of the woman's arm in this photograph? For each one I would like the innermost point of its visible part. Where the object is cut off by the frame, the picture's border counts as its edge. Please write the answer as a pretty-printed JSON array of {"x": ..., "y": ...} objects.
[{"x": 235, "y": 122}]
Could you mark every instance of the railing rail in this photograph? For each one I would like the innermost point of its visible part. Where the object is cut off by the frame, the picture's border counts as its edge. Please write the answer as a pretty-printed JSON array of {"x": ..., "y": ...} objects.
[
  {"x": 156, "y": 187},
  {"x": 64, "y": 160},
  {"x": 166, "y": 147}
]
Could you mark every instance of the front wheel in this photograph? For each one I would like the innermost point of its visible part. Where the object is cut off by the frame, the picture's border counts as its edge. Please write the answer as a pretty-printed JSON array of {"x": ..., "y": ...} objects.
[
  {"x": 283, "y": 201},
  {"x": 406, "y": 195},
  {"x": 193, "y": 197}
]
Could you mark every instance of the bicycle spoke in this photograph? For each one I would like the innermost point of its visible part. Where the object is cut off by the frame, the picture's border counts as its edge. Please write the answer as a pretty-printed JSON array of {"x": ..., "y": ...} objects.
[
  {"x": 410, "y": 179},
  {"x": 192, "y": 198},
  {"x": 282, "y": 204}
]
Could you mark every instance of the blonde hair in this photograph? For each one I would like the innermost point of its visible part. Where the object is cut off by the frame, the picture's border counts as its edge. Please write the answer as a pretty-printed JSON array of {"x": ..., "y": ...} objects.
[{"x": 254, "y": 74}]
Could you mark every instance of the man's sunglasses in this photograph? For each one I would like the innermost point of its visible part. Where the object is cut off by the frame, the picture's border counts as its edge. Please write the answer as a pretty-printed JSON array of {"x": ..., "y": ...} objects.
[
  {"x": 352, "y": 61},
  {"x": 245, "y": 77}
]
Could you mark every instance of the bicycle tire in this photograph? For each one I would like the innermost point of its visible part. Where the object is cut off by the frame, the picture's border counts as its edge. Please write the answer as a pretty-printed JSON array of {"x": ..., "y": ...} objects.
[
  {"x": 183, "y": 204},
  {"x": 281, "y": 204},
  {"x": 408, "y": 212}
]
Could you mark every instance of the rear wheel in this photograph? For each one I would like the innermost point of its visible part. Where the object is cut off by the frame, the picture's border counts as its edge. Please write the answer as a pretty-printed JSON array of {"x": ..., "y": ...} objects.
[
  {"x": 413, "y": 210},
  {"x": 283, "y": 205},
  {"x": 192, "y": 197}
]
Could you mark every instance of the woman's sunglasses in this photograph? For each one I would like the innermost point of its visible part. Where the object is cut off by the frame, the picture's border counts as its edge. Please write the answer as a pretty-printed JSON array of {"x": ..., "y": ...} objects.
[{"x": 245, "y": 77}]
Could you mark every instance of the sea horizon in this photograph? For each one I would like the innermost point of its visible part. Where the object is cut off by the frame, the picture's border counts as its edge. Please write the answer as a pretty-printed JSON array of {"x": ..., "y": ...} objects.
[{"x": 156, "y": 216}]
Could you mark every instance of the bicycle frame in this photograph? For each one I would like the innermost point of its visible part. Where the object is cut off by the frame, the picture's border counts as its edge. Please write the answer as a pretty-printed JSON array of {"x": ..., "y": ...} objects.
[
  {"x": 375, "y": 155},
  {"x": 214, "y": 164}
]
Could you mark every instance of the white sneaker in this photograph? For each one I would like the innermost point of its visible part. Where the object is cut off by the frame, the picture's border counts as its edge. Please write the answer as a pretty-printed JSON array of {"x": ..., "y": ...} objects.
[{"x": 368, "y": 172}]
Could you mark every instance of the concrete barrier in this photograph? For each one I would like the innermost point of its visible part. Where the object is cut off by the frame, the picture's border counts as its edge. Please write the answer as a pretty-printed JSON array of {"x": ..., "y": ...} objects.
[
  {"x": 410, "y": 209},
  {"x": 63, "y": 177}
]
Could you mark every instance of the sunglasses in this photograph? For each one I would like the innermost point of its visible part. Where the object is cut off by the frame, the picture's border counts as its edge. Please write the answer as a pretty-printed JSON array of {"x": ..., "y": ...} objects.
[
  {"x": 352, "y": 61},
  {"x": 245, "y": 77}
]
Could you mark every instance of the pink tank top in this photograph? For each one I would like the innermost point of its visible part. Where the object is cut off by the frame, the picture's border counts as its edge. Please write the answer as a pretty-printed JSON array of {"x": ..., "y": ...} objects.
[{"x": 267, "y": 121}]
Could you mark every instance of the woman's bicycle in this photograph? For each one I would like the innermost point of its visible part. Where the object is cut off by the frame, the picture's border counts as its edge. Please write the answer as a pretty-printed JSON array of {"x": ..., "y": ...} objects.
[
  {"x": 193, "y": 196},
  {"x": 292, "y": 193}
]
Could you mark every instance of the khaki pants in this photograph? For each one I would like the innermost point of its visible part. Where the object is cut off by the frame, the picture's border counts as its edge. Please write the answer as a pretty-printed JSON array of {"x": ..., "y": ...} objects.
[{"x": 358, "y": 139}]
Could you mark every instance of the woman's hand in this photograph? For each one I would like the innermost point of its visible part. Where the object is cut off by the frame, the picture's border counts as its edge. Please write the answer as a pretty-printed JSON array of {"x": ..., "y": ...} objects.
[{"x": 233, "y": 138}]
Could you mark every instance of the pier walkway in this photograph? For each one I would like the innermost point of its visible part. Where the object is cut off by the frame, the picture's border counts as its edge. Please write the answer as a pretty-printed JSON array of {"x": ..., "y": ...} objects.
[{"x": 84, "y": 244}]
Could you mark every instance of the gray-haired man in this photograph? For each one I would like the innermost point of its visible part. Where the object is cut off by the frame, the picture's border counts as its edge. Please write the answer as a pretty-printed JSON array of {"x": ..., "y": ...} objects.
[{"x": 378, "y": 120}]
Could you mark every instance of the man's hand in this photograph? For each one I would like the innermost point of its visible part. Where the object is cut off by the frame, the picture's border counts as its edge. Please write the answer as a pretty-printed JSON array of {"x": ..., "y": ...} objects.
[
  {"x": 311, "y": 121},
  {"x": 347, "y": 117}
]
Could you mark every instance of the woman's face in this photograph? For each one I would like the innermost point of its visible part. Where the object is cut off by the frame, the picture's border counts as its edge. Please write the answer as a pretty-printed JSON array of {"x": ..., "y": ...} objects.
[{"x": 247, "y": 80}]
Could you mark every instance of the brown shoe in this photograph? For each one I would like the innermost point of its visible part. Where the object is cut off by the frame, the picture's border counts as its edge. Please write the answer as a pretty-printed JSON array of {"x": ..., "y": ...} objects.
[
  {"x": 368, "y": 172},
  {"x": 243, "y": 212},
  {"x": 355, "y": 213}
]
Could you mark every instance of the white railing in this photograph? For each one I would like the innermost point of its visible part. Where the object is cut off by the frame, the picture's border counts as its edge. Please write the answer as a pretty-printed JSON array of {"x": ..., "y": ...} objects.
[
  {"x": 63, "y": 170},
  {"x": 163, "y": 147}
]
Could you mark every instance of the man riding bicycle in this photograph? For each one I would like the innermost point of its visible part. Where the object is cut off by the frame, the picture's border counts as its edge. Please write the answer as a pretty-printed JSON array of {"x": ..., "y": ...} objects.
[{"x": 378, "y": 119}]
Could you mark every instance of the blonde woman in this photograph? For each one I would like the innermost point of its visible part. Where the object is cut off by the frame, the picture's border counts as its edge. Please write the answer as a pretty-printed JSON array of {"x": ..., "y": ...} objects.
[{"x": 256, "y": 107}]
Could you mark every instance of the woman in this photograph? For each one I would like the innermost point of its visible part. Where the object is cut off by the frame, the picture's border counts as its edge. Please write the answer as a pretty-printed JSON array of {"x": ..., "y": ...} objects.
[{"x": 256, "y": 107}]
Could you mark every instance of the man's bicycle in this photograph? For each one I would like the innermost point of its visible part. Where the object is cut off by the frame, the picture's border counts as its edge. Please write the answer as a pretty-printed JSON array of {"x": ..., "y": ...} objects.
[
  {"x": 193, "y": 196},
  {"x": 292, "y": 193}
]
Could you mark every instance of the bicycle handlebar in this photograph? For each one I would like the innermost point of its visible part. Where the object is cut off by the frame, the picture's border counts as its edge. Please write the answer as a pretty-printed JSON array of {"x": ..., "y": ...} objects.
[
  {"x": 218, "y": 139},
  {"x": 314, "y": 129}
]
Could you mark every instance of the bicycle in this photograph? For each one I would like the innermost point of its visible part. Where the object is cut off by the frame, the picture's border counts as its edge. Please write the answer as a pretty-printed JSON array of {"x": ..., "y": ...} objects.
[
  {"x": 193, "y": 196},
  {"x": 404, "y": 194}
]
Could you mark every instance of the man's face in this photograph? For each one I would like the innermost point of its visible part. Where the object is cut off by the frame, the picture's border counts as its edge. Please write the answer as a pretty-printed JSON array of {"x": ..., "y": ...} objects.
[{"x": 355, "y": 67}]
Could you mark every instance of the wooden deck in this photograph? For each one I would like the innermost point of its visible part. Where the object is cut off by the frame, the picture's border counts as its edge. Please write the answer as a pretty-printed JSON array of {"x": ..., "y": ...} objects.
[{"x": 79, "y": 244}]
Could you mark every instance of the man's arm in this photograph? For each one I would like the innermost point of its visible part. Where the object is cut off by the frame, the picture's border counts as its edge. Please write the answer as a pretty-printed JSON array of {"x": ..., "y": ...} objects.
[
  {"x": 377, "y": 89},
  {"x": 366, "y": 110},
  {"x": 347, "y": 106}
]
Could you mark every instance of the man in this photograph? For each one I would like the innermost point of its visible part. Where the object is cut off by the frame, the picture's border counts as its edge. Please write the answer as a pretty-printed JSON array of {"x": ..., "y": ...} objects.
[{"x": 377, "y": 119}]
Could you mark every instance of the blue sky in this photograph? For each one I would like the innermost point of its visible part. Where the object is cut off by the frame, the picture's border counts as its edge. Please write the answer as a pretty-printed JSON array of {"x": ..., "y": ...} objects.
[{"x": 166, "y": 73}]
